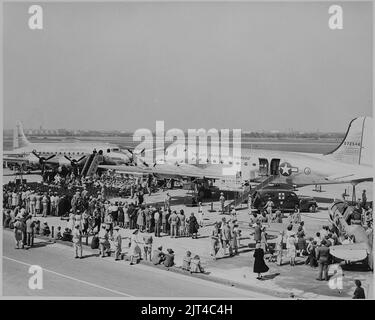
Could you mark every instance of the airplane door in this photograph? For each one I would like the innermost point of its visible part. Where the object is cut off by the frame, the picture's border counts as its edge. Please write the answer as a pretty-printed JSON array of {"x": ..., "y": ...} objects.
[
  {"x": 275, "y": 167},
  {"x": 263, "y": 167}
]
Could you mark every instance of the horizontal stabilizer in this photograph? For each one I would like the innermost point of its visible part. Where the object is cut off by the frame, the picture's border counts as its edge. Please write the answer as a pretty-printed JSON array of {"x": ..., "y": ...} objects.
[{"x": 350, "y": 252}]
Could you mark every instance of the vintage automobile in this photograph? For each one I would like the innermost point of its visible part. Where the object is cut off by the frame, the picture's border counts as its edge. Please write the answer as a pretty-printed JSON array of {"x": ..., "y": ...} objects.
[{"x": 286, "y": 199}]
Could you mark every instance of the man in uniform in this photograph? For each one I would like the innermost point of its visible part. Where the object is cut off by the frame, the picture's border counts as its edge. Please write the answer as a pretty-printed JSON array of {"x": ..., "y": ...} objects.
[
  {"x": 356, "y": 216},
  {"x": 32, "y": 203},
  {"x": 364, "y": 198},
  {"x": 77, "y": 241},
  {"x": 226, "y": 236},
  {"x": 117, "y": 240},
  {"x": 157, "y": 219},
  {"x": 182, "y": 223},
  {"x": 233, "y": 235},
  {"x": 147, "y": 239},
  {"x": 103, "y": 241},
  {"x": 222, "y": 202},
  {"x": 167, "y": 201},
  {"x": 164, "y": 220},
  {"x": 173, "y": 221},
  {"x": 269, "y": 205},
  {"x": 30, "y": 231},
  {"x": 322, "y": 255},
  {"x": 215, "y": 243}
]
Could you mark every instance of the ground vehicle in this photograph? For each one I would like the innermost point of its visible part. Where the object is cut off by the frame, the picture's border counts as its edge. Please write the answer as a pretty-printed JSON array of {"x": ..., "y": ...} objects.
[{"x": 286, "y": 199}]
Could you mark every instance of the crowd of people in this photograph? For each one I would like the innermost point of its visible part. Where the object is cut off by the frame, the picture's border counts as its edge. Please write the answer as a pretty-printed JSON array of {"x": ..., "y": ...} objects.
[
  {"x": 84, "y": 203},
  {"x": 88, "y": 211}
]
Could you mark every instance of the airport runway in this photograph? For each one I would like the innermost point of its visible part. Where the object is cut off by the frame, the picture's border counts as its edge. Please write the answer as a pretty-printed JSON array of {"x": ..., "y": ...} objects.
[{"x": 65, "y": 276}]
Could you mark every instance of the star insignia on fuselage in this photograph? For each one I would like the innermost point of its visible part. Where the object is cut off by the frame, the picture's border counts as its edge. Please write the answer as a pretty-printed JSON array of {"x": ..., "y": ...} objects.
[{"x": 286, "y": 169}]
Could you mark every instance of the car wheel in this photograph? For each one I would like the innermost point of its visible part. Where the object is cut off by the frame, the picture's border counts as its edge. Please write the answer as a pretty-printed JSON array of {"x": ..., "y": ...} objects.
[{"x": 312, "y": 208}]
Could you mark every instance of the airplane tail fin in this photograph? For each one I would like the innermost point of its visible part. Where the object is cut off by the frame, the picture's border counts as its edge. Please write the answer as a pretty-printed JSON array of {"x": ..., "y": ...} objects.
[
  {"x": 356, "y": 147},
  {"x": 19, "y": 138}
]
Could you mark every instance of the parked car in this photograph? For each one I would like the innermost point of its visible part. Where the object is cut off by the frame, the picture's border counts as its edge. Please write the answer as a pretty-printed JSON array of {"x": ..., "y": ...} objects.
[{"x": 286, "y": 199}]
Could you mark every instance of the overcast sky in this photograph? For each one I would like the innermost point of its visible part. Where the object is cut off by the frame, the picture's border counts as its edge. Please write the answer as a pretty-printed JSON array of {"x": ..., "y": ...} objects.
[{"x": 213, "y": 65}]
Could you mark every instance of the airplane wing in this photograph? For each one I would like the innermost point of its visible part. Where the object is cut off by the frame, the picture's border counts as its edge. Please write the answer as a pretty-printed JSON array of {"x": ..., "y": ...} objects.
[
  {"x": 15, "y": 159},
  {"x": 350, "y": 177},
  {"x": 351, "y": 252},
  {"x": 179, "y": 171}
]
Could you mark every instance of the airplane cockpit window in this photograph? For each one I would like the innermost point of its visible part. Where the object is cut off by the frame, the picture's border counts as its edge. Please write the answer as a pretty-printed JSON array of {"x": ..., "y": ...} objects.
[{"x": 115, "y": 149}]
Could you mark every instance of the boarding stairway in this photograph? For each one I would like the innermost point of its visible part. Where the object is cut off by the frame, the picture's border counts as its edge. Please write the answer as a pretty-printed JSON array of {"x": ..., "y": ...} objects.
[
  {"x": 91, "y": 164},
  {"x": 247, "y": 191}
]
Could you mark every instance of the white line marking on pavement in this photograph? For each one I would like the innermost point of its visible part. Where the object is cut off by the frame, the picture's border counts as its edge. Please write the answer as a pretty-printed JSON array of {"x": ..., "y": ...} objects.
[{"x": 74, "y": 279}]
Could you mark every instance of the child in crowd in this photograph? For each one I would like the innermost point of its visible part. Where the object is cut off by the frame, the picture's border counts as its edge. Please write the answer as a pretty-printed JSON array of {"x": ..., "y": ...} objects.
[
  {"x": 58, "y": 233},
  {"x": 186, "y": 261},
  {"x": 195, "y": 265}
]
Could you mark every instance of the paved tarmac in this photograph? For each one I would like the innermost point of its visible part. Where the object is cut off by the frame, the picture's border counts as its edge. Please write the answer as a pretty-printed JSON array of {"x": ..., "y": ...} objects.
[{"x": 65, "y": 276}]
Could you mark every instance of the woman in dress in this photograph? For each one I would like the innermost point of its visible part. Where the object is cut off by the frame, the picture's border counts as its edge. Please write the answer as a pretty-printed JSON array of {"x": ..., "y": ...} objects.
[
  {"x": 279, "y": 248},
  {"x": 135, "y": 250},
  {"x": 71, "y": 221},
  {"x": 291, "y": 247},
  {"x": 193, "y": 226},
  {"x": 259, "y": 264}
]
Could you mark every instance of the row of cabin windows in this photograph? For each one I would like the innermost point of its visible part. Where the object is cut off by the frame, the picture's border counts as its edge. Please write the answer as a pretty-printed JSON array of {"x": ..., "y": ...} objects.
[
  {"x": 76, "y": 153},
  {"x": 230, "y": 162},
  {"x": 64, "y": 153}
]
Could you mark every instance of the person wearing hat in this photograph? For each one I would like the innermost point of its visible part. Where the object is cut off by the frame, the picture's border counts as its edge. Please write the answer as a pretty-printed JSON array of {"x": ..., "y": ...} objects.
[
  {"x": 117, "y": 241},
  {"x": 222, "y": 202},
  {"x": 158, "y": 256},
  {"x": 169, "y": 258},
  {"x": 77, "y": 241},
  {"x": 215, "y": 246},
  {"x": 269, "y": 205},
  {"x": 18, "y": 233},
  {"x": 104, "y": 244},
  {"x": 226, "y": 238}
]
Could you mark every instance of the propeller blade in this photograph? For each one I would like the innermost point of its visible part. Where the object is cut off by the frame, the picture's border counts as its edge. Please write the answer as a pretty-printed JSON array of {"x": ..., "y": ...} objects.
[
  {"x": 80, "y": 159},
  {"x": 67, "y": 158},
  {"x": 35, "y": 154},
  {"x": 50, "y": 157}
]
